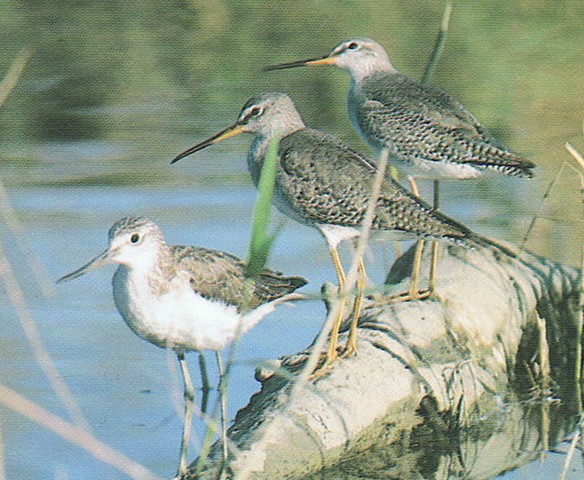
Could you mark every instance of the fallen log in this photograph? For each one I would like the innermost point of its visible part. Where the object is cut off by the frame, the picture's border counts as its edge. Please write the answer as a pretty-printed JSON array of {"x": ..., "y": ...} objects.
[{"x": 418, "y": 365}]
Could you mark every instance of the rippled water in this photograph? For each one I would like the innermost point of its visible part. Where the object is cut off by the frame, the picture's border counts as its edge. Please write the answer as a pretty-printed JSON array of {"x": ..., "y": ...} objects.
[
  {"x": 110, "y": 96},
  {"x": 125, "y": 386}
]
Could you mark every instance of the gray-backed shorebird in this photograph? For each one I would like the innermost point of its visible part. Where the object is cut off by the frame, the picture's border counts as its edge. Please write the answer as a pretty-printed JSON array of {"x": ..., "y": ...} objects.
[
  {"x": 185, "y": 298},
  {"x": 322, "y": 183},
  {"x": 428, "y": 132}
]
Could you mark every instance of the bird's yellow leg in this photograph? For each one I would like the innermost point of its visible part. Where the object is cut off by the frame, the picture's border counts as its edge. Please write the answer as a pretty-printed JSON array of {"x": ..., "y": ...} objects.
[
  {"x": 416, "y": 266},
  {"x": 435, "y": 246},
  {"x": 361, "y": 283},
  {"x": 433, "y": 269},
  {"x": 436, "y": 194},
  {"x": 413, "y": 293},
  {"x": 331, "y": 353},
  {"x": 413, "y": 186}
]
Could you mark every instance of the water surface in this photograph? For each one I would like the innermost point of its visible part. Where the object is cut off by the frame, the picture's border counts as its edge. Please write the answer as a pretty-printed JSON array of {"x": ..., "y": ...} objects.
[{"x": 113, "y": 92}]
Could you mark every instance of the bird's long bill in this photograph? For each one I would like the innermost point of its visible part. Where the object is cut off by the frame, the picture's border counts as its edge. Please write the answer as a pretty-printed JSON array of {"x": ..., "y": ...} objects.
[
  {"x": 101, "y": 259},
  {"x": 229, "y": 132},
  {"x": 326, "y": 60}
]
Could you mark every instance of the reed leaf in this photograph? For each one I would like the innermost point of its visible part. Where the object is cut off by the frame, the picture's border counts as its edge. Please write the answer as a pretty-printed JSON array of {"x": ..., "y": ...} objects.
[{"x": 261, "y": 241}]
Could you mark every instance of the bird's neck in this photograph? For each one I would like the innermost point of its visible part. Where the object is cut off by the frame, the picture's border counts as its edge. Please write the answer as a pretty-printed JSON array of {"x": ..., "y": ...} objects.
[
  {"x": 153, "y": 269},
  {"x": 259, "y": 147},
  {"x": 256, "y": 156},
  {"x": 367, "y": 70}
]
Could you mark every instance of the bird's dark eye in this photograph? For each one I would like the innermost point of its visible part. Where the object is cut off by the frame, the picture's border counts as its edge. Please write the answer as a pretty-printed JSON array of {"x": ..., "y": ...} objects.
[
  {"x": 135, "y": 238},
  {"x": 256, "y": 112},
  {"x": 353, "y": 46}
]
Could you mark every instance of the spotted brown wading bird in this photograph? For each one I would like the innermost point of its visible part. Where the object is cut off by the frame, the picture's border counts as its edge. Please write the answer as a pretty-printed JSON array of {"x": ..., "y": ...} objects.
[
  {"x": 186, "y": 298},
  {"x": 322, "y": 183},
  {"x": 428, "y": 133}
]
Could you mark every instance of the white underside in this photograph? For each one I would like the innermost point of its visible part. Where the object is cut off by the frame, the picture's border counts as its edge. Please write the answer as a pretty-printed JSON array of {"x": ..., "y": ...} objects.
[
  {"x": 180, "y": 319},
  {"x": 335, "y": 234},
  {"x": 426, "y": 169}
]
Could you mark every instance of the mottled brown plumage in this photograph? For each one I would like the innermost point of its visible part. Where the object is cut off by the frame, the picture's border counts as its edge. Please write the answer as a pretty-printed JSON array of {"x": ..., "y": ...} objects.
[
  {"x": 221, "y": 276},
  {"x": 323, "y": 183},
  {"x": 326, "y": 183}
]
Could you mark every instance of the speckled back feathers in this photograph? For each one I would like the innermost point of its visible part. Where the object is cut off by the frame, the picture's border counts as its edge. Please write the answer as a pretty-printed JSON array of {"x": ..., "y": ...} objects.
[{"x": 423, "y": 123}]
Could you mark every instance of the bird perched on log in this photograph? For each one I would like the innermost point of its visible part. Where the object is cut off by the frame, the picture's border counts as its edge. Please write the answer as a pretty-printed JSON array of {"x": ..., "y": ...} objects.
[{"x": 322, "y": 183}]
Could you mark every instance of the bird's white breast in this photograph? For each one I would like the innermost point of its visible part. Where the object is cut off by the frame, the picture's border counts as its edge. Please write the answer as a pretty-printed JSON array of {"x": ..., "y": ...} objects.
[
  {"x": 179, "y": 318},
  {"x": 437, "y": 170}
]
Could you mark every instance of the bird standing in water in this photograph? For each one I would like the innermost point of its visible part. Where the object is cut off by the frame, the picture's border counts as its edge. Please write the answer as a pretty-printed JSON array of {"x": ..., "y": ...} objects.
[{"x": 185, "y": 298}]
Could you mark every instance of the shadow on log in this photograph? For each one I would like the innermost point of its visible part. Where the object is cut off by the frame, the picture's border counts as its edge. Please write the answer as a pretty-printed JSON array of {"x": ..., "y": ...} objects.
[{"x": 425, "y": 372}]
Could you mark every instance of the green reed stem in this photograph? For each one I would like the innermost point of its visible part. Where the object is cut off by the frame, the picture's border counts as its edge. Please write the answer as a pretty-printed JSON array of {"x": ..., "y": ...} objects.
[
  {"x": 259, "y": 250},
  {"x": 261, "y": 241},
  {"x": 440, "y": 42}
]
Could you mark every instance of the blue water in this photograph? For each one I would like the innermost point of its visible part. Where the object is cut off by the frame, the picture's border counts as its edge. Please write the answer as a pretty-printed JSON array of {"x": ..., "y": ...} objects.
[
  {"x": 125, "y": 386},
  {"x": 122, "y": 383},
  {"x": 113, "y": 91}
]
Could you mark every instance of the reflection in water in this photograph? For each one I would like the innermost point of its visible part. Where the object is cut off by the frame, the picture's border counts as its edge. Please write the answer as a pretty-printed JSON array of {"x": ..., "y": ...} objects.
[
  {"x": 503, "y": 434},
  {"x": 112, "y": 91},
  {"x": 508, "y": 438},
  {"x": 504, "y": 437}
]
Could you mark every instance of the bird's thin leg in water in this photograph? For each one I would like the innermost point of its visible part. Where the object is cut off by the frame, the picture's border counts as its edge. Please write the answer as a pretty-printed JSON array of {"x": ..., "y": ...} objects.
[
  {"x": 206, "y": 387},
  {"x": 223, "y": 403},
  {"x": 189, "y": 397}
]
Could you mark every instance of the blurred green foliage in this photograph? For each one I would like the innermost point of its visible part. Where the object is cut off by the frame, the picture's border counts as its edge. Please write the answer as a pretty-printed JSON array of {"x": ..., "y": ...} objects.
[
  {"x": 517, "y": 65},
  {"x": 129, "y": 84}
]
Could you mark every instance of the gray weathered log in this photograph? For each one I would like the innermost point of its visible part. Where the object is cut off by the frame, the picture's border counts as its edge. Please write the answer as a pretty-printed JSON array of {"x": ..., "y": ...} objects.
[{"x": 448, "y": 355}]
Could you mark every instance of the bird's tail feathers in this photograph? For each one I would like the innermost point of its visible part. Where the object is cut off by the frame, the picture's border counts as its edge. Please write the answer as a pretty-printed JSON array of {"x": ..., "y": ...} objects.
[{"x": 494, "y": 158}]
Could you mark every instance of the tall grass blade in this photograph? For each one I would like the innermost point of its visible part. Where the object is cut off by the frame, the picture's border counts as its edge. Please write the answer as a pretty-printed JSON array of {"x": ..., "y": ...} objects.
[
  {"x": 11, "y": 285},
  {"x": 6, "y": 211},
  {"x": 302, "y": 379},
  {"x": 261, "y": 241},
  {"x": 580, "y": 327},
  {"x": 259, "y": 249},
  {"x": 17, "y": 300},
  {"x": 14, "y": 72},
  {"x": 440, "y": 42},
  {"x": 430, "y": 67}
]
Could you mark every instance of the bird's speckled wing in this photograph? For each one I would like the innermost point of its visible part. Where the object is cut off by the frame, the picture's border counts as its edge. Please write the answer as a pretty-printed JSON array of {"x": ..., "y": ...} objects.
[
  {"x": 220, "y": 276},
  {"x": 325, "y": 182},
  {"x": 423, "y": 122}
]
